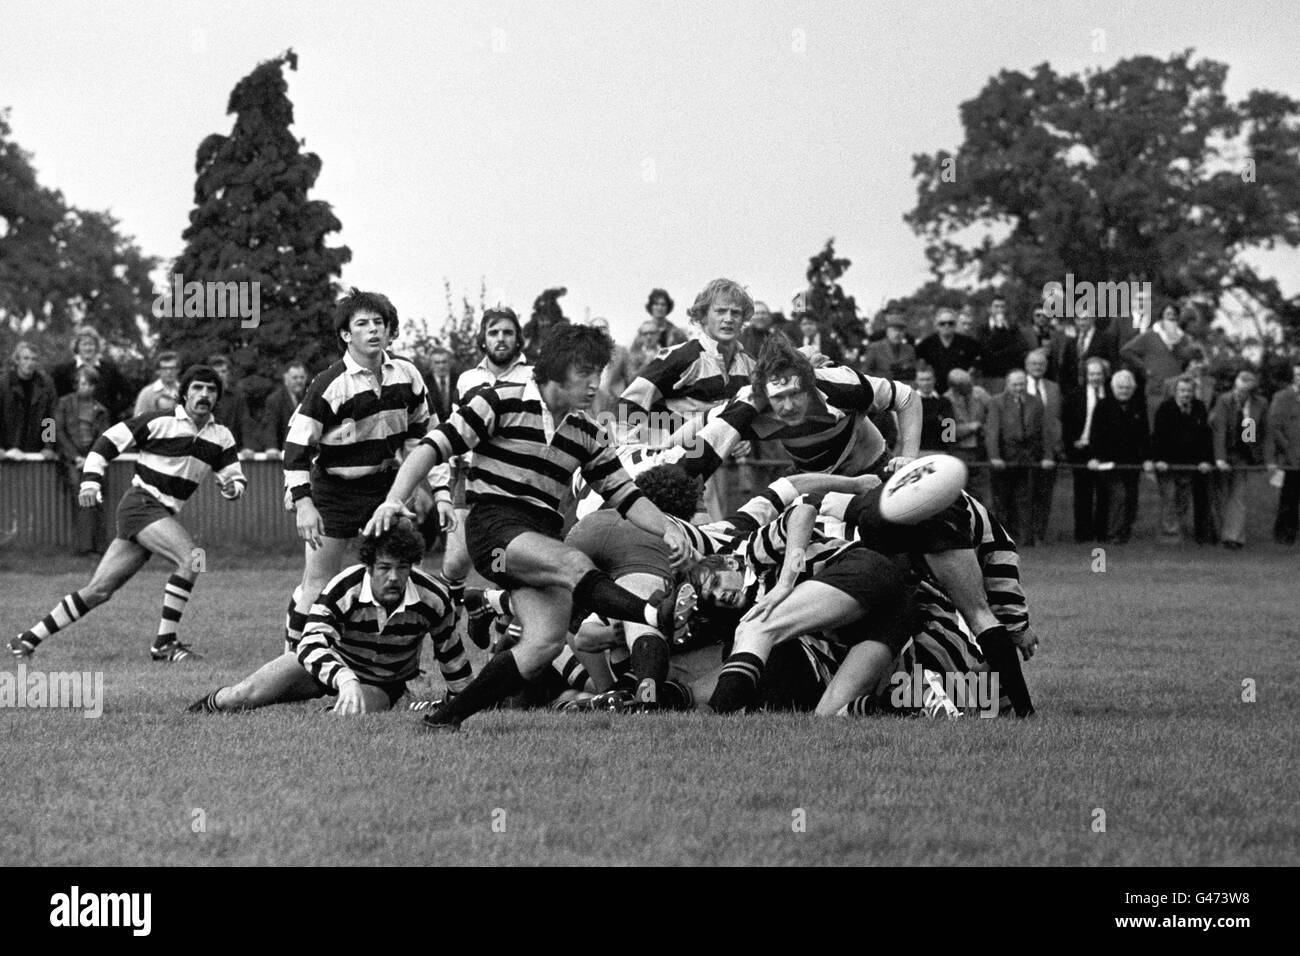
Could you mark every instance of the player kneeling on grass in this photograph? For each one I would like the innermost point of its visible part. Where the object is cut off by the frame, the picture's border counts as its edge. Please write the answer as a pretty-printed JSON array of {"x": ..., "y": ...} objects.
[
  {"x": 174, "y": 452},
  {"x": 363, "y": 636}
]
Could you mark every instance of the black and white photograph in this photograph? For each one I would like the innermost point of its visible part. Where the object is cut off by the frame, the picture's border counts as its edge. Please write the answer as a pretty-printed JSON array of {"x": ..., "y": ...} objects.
[{"x": 520, "y": 433}]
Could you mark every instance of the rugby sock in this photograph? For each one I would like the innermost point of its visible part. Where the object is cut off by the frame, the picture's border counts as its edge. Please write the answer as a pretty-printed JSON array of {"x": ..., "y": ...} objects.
[
  {"x": 1001, "y": 655},
  {"x": 571, "y": 669},
  {"x": 499, "y": 679},
  {"x": 598, "y": 592},
  {"x": 294, "y": 621},
  {"x": 455, "y": 587},
  {"x": 176, "y": 594},
  {"x": 621, "y": 668},
  {"x": 206, "y": 705},
  {"x": 866, "y": 706},
  {"x": 71, "y": 608},
  {"x": 498, "y": 600},
  {"x": 737, "y": 684}
]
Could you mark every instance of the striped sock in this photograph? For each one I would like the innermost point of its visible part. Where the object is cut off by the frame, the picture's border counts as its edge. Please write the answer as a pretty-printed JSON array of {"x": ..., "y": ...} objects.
[
  {"x": 675, "y": 696},
  {"x": 571, "y": 669},
  {"x": 71, "y": 608},
  {"x": 498, "y": 600},
  {"x": 860, "y": 707},
  {"x": 737, "y": 684},
  {"x": 294, "y": 620},
  {"x": 176, "y": 594},
  {"x": 456, "y": 589},
  {"x": 210, "y": 702}
]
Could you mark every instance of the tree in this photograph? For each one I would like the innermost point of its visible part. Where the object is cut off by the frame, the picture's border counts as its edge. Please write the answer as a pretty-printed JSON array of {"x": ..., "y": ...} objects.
[
  {"x": 61, "y": 266},
  {"x": 837, "y": 312},
  {"x": 253, "y": 223},
  {"x": 1142, "y": 172}
]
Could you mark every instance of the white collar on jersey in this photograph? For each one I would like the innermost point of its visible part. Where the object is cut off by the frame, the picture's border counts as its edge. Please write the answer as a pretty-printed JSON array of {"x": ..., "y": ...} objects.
[
  {"x": 491, "y": 369},
  {"x": 368, "y": 596},
  {"x": 353, "y": 366}
]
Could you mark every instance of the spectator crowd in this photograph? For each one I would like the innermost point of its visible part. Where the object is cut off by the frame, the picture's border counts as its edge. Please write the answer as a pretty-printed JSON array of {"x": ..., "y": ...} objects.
[{"x": 1110, "y": 399}]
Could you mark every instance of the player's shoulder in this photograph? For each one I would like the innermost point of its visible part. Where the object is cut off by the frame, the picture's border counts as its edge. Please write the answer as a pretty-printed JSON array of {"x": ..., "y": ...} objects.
[
  {"x": 426, "y": 583},
  {"x": 323, "y": 379},
  {"x": 347, "y": 580}
]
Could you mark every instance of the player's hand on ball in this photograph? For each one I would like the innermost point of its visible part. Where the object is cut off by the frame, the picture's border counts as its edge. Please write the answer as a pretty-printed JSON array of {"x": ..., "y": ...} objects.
[
  {"x": 865, "y": 483},
  {"x": 897, "y": 462},
  {"x": 743, "y": 449},
  {"x": 351, "y": 700},
  {"x": 231, "y": 490},
  {"x": 90, "y": 495}
]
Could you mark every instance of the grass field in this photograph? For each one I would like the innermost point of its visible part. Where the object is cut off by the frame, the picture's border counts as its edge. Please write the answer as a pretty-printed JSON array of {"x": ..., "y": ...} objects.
[{"x": 1138, "y": 684}]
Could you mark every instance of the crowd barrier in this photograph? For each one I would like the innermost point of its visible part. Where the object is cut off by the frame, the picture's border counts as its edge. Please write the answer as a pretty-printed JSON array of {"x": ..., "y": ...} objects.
[{"x": 36, "y": 504}]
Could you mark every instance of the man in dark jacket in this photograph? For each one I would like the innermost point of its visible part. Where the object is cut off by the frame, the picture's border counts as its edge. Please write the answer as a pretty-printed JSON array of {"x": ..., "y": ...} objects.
[
  {"x": 946, "y": 348},
  {"x": 26, "y": 406},
  {"x": 1015, "y": 438},
  {"x": 1181, "y": 436},
  {"x": 112, "y": 392},
  {"x": 1002, "y": 347},
  {"x": 1120, "y": 437},
  {"x": 280, "y": 406},
  {"x": 1238, "y": 424}
]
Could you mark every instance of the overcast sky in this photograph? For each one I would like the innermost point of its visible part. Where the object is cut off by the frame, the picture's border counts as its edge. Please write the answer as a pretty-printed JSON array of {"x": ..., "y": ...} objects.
[{"x": 605, "y": 147}]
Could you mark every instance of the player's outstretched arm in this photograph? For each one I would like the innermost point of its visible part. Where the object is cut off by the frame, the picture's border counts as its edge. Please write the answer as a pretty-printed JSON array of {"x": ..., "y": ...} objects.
[
  {"x": 413, "y": 471},
  {"x": 908, "y": 410}
]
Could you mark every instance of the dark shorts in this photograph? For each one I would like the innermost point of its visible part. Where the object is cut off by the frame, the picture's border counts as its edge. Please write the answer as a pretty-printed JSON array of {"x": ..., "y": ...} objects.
[
  {"x": 492, "y": 524},
  {"x": 949, "y": 530},
  {"x": 137, "y": 510},
  {"x": 618, "y": 547},
  {"x": 881, "y": 587},
  {"x": 395, "y": 689},
  {"x": 790, "y": 681},
  {"x": 345, "y": 506}
]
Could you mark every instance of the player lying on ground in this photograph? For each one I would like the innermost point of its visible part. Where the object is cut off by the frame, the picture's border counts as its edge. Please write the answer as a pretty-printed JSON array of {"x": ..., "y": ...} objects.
[
  {"x": 341, "y": 453},
  {"x": 175, "y": 451},
  {"x": 974, "y": 612},
  {"x": 363, "y": 637},
  {"x": 528, "y": 441}
]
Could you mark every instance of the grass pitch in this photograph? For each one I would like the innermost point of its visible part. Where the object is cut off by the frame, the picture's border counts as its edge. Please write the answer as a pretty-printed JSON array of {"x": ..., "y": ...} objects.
[{"x": 1139, "y": 685}]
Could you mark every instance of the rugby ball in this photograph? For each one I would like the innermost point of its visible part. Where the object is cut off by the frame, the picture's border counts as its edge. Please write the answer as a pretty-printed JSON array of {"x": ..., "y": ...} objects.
[{"x": 922, "y": 489}]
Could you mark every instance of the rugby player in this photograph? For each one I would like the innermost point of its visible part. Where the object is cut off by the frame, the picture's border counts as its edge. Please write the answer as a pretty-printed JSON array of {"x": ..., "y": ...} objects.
[
  {"x": 342, "y": 449},
  {"x": 528, "y": 442},
  {"x": 175, "y": 451},
  {"x": 362, "y": 641},
  {"x": 501, "y": 339}
]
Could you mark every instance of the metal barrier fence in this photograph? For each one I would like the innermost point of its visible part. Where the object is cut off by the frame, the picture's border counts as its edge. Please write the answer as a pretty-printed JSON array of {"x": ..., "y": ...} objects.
[{"x": 36, "y": 504}]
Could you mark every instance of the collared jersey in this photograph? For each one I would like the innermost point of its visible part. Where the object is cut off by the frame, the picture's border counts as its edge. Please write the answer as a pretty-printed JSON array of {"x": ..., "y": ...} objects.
[
  {"x": 689, "y": 379},
  {"x": 172, "y": 455}
]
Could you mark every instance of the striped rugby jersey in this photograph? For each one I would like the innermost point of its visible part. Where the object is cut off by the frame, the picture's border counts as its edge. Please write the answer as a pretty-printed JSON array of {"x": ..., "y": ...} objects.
[
  {"x": 348, "y": 428},
  {"x": 689, "y": 379},
  {"x": 520, "y": 373},
  {"x": 521, "y": 454},
  {"x": 837, "y": 437},
  {"x": 945, "y": 642},
  {"x": 348, "y": 631},
  {"x": 172, "y": 455}
]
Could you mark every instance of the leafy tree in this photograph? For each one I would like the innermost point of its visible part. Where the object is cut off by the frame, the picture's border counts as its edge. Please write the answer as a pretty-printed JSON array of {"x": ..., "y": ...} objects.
[
  {"x": 837, "y": 312},
  {"x": 1141, "y": 172},
  {"x": 253, "y": 223},
  {"x": 61, "y": 266}
]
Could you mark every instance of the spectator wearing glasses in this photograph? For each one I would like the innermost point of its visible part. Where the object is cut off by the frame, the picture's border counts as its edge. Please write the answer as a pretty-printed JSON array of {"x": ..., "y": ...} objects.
[
  {"x": 946, "y": 349},
  {"x": 162, "y": 394}
]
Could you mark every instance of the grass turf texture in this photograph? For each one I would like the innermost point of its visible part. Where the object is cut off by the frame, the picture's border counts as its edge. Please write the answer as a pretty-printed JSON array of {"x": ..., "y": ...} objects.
[{"x": 1139, "y": 687}]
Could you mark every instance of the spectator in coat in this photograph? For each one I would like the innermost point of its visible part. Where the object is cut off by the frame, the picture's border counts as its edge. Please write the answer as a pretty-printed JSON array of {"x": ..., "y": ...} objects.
[
  {"x": 1238, "y": 423},
  {"x": 1015, "y": 439},
  {"x": 1002, "y": 346},
  {"x": 232, "y": 407},
  {"x": 812, "y": 335},
  {"x": 892, "y": 357},
  {"x": 1195, "y": 369},
  {"x": 441, "y": 382},
  {"x": 1089, "y": 342},
  {"x": 970, "y": 409},
  {"x": 946, "y": 349},
  {"x": 1284, "y": 452},
  {"x": 1049, "y": 393},
  {"x": 280, "y": 406},
  {"x": 1120, "y": 436},
  {"x": 761, "y": 326},
  {"x": 162, "y": 394},
  {"x": 1181, "y": 436},
  {"x": 660, "y": 306},
  {"x": 79, "y": 421},
  {"x": 88, "y": 349},
  {"x": 938, "y": 420},
  {"x": 1078, "y": 419},
  {"x": 1160, "y": 352},
  {"x": 26, "y": 406}
]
